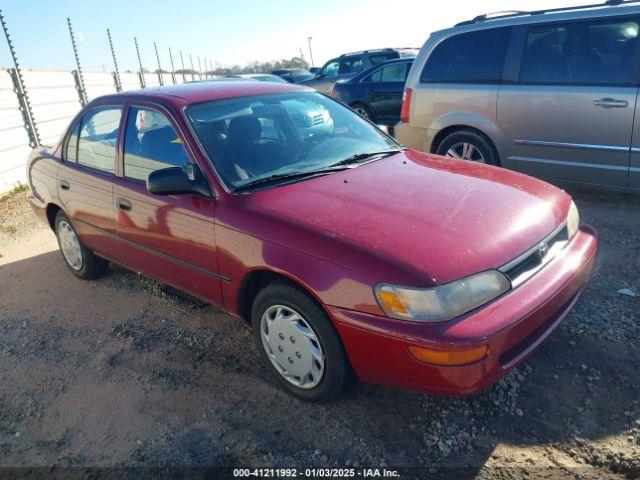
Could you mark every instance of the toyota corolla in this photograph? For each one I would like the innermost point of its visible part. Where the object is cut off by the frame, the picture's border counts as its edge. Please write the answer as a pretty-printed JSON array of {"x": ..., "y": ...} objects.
[{"x": 350, "y": 256}]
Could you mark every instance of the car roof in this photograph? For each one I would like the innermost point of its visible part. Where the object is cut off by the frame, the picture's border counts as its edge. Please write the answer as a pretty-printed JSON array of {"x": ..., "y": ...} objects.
[{"x": 187, "y": 93}]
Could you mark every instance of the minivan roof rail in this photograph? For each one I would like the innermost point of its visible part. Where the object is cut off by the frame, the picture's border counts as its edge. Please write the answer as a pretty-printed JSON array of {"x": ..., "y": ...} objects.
[
  {"x": 519, "y": 13},
  {"x": 388, "y": 49}
]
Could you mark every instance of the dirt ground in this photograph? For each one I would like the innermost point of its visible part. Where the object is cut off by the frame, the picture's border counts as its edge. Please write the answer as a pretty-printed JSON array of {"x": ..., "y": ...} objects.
[{"x": 125, "y": 372}]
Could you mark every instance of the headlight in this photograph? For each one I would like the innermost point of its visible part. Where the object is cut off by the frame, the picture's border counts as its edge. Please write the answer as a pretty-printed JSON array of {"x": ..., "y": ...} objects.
[
  {"x": 442, "y": 302},
  {"x": 573, "y": 220}
]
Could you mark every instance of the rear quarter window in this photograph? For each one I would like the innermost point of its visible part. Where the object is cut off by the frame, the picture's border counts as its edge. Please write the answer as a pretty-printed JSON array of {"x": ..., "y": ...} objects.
[
  {"x": 472, "y": 57},
  {"x": 376, "y": 58}
]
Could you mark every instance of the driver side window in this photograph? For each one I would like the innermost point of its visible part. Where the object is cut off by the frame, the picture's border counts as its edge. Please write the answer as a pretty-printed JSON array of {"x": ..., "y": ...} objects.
[
  {"x": 330, "y": 69},
  {"x": 150, "y": 143}
]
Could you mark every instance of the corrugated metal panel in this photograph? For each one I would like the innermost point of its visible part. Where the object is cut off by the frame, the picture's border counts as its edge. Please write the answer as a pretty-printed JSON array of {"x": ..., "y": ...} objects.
[
  {"x": 54, "y": 101},
  {"x": 98, "y": 84},
  {"x": 151, "y": 79},
  {"x": 129, "y": 81},
  {"x": 14, "y": 141}
]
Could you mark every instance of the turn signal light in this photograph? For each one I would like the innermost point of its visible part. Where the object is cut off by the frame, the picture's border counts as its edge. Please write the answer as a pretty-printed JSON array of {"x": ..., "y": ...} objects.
[
  {"x": 391, "y": 302},
  {"x": 449, "y": 357}
]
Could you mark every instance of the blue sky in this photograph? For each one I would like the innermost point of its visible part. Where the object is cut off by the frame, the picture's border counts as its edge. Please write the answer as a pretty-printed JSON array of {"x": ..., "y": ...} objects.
[{"x": 229, "y": 32}]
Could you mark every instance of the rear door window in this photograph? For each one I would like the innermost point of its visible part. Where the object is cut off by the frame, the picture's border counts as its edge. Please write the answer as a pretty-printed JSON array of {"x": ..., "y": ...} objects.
[
  {"x": 150, "y": 144},
  {"x": 390, "y": 73},
  {"x": 96, "y": 146},
  {"x": 350, "y": 64},
  {"x": 472, "y": 57},
  {"x": 580, "y": 53}
]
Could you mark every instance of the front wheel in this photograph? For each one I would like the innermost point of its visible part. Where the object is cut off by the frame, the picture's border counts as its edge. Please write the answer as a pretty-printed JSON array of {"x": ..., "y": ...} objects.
[
  {"x": 82, "y": 262},
  {"x": 468, "y": 145},
  {"x": 299, "y": 344}
]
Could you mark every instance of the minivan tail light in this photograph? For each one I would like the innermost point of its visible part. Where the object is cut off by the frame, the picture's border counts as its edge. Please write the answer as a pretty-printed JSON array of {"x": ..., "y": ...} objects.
[{"x": 406, "y": 101}]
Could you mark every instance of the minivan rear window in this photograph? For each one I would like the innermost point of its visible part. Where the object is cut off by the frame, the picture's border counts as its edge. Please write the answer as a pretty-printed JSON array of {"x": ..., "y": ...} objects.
[
  {"x": 580, "y": 53},
  {"x": 472, "y": 57}
]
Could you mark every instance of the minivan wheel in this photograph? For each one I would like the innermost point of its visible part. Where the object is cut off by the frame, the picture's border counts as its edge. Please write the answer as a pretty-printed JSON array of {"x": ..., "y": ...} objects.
[
  {"x": 299, "y": 344},
  {"x": 82, "y": 262},
  {"x": 468, "y": 145},
  {"x": 362, "y": 110}
]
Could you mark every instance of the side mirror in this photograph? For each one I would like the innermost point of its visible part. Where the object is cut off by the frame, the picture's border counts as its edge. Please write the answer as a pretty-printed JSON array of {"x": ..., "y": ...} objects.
[{"x": 185, "y": 180}]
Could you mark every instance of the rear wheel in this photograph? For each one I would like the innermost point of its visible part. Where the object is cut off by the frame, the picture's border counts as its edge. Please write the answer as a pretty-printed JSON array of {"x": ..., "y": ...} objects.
[
  {"x": 468, "y": 145},
  {"x": 299, "y": 344},
  {"x": 82, "y": 262},
  {"x": 364, "y": 111}
]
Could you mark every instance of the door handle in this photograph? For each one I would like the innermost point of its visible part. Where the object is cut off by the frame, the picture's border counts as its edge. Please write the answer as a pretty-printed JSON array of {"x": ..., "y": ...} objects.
[
  {"x": 64, "y": 185},
  {"x": 124, "y": 204},
  {"x": 610, "y": 103}
]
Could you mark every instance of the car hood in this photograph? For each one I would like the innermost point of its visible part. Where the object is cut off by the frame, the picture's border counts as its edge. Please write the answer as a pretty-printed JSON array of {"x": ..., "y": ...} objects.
[{"x": 444, "y": 217}]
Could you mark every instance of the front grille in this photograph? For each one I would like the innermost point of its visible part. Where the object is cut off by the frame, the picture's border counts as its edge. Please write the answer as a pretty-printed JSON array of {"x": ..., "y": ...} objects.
[{"x": 531, "y": 261}]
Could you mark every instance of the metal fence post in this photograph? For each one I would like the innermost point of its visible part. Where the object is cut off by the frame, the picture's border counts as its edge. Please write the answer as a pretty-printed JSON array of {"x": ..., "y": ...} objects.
[
  {"x": 141, "y": 71},
  {"x": 193, "y": 70},
  {"x": 184, "y": 75},
  {"x": 116, "y": 72},
  {"x": 199, "y": 68},
  {"x": 77, "y": 74},
  {"x": 21, "y": 92},
  {"x": 173, "y": 69},
  {"x": 77, "y": 81},
  {"x": 160, "y": 79}
]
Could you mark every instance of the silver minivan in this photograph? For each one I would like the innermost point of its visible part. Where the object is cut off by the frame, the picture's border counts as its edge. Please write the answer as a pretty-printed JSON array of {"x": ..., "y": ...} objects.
[{"x": 551, "y": 93}]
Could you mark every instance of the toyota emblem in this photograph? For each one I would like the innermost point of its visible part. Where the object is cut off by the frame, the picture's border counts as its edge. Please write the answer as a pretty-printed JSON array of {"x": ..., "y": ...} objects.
[{"x": 543, "y": 249}]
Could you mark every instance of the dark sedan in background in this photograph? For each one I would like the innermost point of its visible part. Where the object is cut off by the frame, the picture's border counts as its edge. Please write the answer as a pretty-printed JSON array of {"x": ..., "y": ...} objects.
[
  {"x": 294, "y": 75},
  {"x": 376, "y": 93}
]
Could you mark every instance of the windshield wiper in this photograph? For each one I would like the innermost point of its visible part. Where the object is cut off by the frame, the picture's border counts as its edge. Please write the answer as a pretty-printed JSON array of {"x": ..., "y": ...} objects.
[
  {"x": 278, "y": 177},
  {"x": 359, "y": 157}
]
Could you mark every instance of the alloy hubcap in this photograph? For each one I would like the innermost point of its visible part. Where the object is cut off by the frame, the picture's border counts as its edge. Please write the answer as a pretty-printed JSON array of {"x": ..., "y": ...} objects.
[
  {"x": 465, "y": 151},
  {"x": 70, "y": 245},
  {"x": 362, "y": 112},
  {"x": 292, "y": 346}
]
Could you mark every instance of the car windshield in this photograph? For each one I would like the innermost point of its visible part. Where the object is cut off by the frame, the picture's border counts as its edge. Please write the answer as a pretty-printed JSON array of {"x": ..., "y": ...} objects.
[{"x": 275, "y": 136}]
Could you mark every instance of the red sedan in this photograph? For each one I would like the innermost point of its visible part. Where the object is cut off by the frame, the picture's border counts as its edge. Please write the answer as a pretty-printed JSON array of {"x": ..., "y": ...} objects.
[{"x": 349, "y": 255}]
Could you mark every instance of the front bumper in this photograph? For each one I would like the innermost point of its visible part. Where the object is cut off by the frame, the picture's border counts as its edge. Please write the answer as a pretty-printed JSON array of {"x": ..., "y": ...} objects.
[{"x": 513, "y": 326}]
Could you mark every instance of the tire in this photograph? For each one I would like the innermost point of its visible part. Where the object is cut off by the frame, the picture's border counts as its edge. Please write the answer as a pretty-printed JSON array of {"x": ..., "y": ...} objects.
[
  {"x": 296, "y": 348},
  {"x": 364, "y": 111},
  {"x": 82, "y": 262},
  {"x": 481, "y": 149}
]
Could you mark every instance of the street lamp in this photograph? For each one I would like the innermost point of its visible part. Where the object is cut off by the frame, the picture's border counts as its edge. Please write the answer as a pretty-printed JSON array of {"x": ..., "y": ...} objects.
[{"x": 310, "y": 52}]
